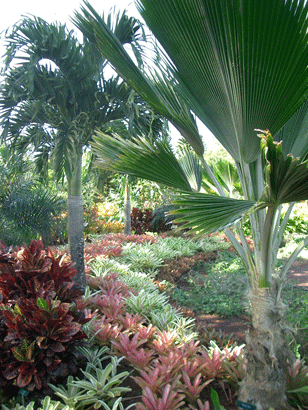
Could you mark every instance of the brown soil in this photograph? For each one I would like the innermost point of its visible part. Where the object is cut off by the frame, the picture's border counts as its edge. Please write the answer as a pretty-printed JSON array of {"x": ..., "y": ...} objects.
[{"x": 237, "y": 326}]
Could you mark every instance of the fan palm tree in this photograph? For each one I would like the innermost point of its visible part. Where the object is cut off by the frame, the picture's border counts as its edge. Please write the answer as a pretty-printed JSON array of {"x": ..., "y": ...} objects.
[
  {"x": 239, "y": 66},
  {"x": 54, "y": 98}
]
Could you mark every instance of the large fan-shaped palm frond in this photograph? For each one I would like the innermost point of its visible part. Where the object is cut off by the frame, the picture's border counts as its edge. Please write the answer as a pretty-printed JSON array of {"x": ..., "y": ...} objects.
[
  {"x": 205, "y": 213},
  {"x": 192, "y": 168},
  {"x": 294, "y": 135},
  {"x": 226, "y": 174},
  {"x": 198, "y": 211},
  {"x": 160, "y": 96},
  {"x": 141, "y": 159},
  {"x": 231, "y": 57}
]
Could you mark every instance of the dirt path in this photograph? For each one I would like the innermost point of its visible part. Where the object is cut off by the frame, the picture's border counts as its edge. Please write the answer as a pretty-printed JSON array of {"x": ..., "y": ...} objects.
[{"x": 237, "y": 326}]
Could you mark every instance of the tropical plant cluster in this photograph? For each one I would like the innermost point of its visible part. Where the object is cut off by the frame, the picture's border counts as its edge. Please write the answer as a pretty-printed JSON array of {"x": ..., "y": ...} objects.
[
  {"x": 102, "y": 218},
  {"x": 249, "y": 88},
  {"x": 41, "y": 325},
  {"x": 135, "y": 335}
]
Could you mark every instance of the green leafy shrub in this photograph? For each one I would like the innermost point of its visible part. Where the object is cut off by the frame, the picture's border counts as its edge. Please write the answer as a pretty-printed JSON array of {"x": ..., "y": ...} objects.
[
  {"x": 100, "y": 387},
  {"x": 297, "y": 222},
  {"x": 162, "y": 219},
  {"x": 102, "y": 218},
  {"x": 46, "y": 405},
  {"x": 141, "y": 258},
  {"x": 29, "y": 211}
]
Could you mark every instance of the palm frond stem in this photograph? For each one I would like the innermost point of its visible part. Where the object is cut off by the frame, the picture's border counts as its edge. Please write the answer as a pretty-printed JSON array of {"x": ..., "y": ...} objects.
[
  {"x": 265, "y": 277},
  {"x": 276, "y": 242},
  {"x": 212, "y": 176},
  {"x": 243, "y": 250},
  {"x": 284, "y": 222}
]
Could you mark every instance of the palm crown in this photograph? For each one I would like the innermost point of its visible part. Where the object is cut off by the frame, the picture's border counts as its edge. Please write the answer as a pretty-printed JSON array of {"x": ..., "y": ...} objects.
[{"x": 56, "y": 96}]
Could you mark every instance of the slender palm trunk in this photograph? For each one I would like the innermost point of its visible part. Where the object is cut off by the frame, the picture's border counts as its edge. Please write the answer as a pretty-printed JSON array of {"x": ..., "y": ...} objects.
[
  {"x": 127, "y": 208},
  {"x": 75, "y": 221},
  {"x": 267, "y": 352}
]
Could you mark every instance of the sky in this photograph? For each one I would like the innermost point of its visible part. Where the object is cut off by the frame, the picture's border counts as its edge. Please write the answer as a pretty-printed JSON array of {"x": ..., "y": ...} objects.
[
  {"x": 55, "y": 10},
  {"x": 61, "y": 10}
]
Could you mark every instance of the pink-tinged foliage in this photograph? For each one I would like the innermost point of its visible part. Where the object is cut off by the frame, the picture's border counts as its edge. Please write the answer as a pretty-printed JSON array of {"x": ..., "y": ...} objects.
[
  {"x": 110, "y": 306},
  {"x": 192, "y": 386},
  {"x": 115, "y": 240},
  {"x": 151, "y": 377},
  {"x": 297, "y": 378},
  {"x": 147, "y": 332},
  {"x": 169, "y": 400},
  {"x": 187, "y": 368},
  {"x": 297, "y": 375},
  {"x": 110, "y": 245},
  {"x": 109, "y": 287},
  {"x": 211, "y": 364},
  {"x": 234, "y": 364},
  {"x": 121, "y": 238},
  {"x": 104, "y": 331},
  {"x": 110, "y": 301},
  {"x": 201, "y": 406},
  {"x": 192, "y": 367},
  {"x": 133, "y": 323},
  {"x": 169, "y": 365},
  {"x": 130, "y": 348},
  {"x": 101, "y": 249},
  {"x": 163, "y": 342}
]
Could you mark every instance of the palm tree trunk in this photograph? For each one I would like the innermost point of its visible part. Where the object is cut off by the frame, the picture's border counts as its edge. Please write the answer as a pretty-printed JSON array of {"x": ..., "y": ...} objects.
[
  {"x": 75, "y": 222},
  {"x": 127, "y": 208},
  {"x": 267, "y": 352}
]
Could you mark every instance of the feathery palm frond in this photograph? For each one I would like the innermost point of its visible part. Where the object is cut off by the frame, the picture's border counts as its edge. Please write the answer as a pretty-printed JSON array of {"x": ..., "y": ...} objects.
[{"x": 29, "y": 211}]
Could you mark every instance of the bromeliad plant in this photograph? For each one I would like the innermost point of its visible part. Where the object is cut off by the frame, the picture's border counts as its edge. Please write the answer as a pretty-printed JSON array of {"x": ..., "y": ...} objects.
[
  {"x": 242, "y": 66},
  {"x": 40, "y": 325}
]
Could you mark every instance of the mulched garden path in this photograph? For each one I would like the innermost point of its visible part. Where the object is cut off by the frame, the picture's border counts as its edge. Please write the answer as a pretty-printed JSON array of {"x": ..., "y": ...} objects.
[{"x": 237, "y": 326}]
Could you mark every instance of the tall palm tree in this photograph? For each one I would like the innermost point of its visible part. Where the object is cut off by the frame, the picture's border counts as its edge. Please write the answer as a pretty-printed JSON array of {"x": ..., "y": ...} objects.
[
  {"x": 240, "y": 66},
  {"x": 56, "y": 96}
]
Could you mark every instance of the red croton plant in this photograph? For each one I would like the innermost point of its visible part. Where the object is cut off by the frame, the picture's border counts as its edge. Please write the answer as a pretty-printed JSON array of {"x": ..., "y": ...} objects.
[{"x": 39, "y": 323}]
